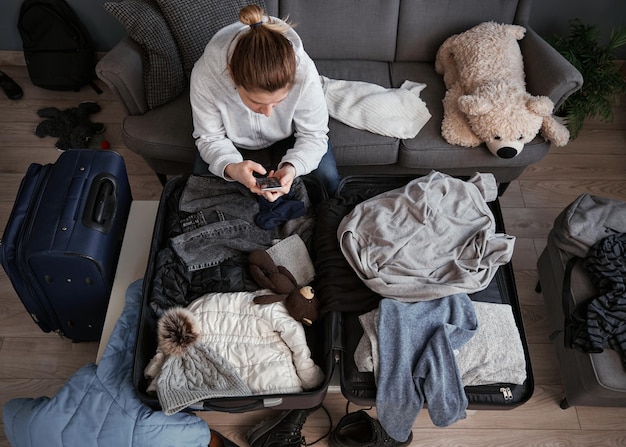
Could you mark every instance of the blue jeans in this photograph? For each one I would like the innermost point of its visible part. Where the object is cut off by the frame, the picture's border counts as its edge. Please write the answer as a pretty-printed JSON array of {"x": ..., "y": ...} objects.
[
  {"x": 327, "y": 172},
  {"x": 270, "y": 157}
]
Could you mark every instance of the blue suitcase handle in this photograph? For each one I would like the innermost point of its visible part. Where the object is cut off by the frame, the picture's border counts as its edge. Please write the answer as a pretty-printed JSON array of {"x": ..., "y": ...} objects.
[{"x": 101, "y": 204}]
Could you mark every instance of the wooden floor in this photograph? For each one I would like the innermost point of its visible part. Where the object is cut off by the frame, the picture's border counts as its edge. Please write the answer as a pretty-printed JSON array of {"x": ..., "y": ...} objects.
[{"x": 33, "y": 363}]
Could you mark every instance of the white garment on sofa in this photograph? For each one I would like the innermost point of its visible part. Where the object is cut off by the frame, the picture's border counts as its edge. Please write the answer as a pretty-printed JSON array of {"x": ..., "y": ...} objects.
[{"x": 392, "y": 112}]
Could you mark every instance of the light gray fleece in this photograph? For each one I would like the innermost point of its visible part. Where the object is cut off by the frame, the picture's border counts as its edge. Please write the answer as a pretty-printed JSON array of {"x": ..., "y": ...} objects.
[
  {"x": 222, "y": 121},
  {"x": 432, "y": 238}
]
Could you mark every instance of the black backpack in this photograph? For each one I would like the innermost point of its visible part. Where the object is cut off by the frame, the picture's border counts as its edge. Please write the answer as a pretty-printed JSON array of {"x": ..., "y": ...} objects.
[{"x": 59, "y": 52}]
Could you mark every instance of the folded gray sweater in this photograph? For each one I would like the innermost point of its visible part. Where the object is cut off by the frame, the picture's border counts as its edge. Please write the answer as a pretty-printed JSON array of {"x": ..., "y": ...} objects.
[{"x": 432, "y": 238}]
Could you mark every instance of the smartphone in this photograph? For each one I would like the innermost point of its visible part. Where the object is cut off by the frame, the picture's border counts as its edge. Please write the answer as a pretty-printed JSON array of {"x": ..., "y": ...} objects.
[{"x": 268, "y": 183}]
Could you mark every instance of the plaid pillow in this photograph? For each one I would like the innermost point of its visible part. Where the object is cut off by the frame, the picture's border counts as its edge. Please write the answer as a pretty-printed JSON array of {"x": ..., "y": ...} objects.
[
  {"x": 193, "y": 23},
  {"x": 163, "y": 74}
]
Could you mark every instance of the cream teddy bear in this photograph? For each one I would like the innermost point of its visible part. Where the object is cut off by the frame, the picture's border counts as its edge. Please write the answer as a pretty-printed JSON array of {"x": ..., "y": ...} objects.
[{"x": 486, "y": 98}]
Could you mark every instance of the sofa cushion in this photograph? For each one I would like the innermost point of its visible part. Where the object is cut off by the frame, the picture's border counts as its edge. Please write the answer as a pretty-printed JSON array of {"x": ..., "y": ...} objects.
[
  {"x": 348, "y": 29},
  {"x": 193, "y": 23},
  {"x": 423, "y": 28},
  {"x": 162, "y": 70}
]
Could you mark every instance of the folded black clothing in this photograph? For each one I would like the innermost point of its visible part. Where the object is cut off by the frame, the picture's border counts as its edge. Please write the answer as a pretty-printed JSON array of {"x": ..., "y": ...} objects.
[{"x": 336, "y": 283}]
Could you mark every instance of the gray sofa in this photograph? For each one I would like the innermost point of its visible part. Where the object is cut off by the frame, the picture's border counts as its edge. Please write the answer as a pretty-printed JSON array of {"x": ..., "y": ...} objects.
[{"x": 380, "y": 41}]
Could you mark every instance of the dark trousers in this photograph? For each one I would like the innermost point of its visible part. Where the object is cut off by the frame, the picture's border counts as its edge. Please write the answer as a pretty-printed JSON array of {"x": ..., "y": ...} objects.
[{"x": 271, "y": 156}]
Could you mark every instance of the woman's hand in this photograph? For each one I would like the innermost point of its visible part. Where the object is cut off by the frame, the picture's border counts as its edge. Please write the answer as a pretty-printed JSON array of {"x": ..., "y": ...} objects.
[
  {"x": 244, "y": 171},
  {"x": 285, "y": 175}
]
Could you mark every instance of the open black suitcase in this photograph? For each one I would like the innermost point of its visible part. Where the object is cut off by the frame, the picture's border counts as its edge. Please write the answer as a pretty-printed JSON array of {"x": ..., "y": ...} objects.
[
  {"x": 62, "y": 241},
  {"x": 319, "y": 335},
  {"x": 333, "y": 338},
  {"x": 359, "y": 387}
]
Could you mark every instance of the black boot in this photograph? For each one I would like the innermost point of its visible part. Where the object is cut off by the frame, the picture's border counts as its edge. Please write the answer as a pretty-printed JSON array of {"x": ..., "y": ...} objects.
[
  {"x": 282, "y": 431},
  {"x": 359, "y": 429}
]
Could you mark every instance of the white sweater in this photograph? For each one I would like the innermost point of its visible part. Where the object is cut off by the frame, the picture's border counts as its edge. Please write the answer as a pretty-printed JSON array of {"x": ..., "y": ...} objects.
[{"x": 222, "y": 121}]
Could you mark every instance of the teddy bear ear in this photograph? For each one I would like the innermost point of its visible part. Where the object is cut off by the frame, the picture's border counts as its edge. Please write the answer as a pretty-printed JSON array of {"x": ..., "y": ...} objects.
[
  {"x": 260, "y": 277},
  {"x": 516, "y": 31},
  {"x": 269, "y": 299},
  {"x": 282, "y": 269},
  {"x": 541, "y": 105},
  {"x": 474, "y": 105},
  {"x": 281, "y": 283},
  {"x": 262, "y": 259}
]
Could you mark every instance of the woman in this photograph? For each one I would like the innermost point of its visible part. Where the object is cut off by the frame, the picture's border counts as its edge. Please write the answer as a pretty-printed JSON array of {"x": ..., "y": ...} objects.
[{"x": 255, "y": 88}]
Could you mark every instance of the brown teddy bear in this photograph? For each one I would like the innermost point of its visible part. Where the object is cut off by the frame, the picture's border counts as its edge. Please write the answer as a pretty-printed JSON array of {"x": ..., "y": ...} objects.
[
  {"x": 486, "y": 99},
  {"x": 301, "y": 302}
]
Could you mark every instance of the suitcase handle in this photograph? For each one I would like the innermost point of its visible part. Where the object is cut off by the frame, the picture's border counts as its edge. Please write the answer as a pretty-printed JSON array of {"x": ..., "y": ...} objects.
[
  {"x": 254, "y": 405},
  {"x": 101, "y": 203}
]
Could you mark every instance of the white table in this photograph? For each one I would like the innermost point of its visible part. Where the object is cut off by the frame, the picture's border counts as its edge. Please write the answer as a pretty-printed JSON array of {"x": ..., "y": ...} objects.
[{"x": 132, "y": 263}]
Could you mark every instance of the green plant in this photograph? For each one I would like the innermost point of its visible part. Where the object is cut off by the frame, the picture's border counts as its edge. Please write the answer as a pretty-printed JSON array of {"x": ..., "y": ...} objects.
[{"x": 603, "y": 82}]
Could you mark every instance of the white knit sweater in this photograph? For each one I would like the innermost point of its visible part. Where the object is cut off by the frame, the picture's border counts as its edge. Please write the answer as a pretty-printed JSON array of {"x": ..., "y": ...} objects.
[{"x": 392, "y": 112}]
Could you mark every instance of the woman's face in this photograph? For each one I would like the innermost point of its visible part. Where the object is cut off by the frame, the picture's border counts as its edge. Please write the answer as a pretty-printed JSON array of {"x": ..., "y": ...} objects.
[{"x": 260, "y": 101}]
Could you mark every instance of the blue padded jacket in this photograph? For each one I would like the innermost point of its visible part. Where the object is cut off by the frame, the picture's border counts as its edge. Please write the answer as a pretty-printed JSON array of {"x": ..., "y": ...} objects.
[{"x": 98, "y": 406}]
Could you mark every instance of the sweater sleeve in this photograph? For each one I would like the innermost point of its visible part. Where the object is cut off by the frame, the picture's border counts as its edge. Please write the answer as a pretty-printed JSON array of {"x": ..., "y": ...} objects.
[
  {"x": 310, "y": 122},
  {"x": 214, "y": 146}
]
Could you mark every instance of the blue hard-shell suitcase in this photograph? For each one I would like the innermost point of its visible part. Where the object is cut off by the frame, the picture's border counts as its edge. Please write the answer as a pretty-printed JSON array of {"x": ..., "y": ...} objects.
[{"x": 62, "y": 241}]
